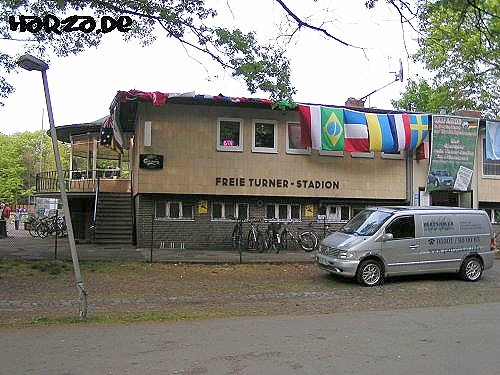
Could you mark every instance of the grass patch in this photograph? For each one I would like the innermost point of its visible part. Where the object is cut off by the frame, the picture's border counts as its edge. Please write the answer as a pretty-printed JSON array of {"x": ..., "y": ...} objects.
[
  {"x": 52, "y": 268},
  {"x": 159, "y": 316}
]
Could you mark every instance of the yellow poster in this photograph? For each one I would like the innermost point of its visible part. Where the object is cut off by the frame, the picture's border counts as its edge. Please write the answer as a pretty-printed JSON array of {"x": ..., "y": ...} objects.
[
  {"x": 309, "y": 210},
  {"x": 203, "y": 207}
]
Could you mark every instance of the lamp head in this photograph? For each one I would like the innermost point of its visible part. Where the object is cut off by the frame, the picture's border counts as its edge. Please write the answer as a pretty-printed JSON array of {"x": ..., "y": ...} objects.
[{"x": 30, "y": 62}]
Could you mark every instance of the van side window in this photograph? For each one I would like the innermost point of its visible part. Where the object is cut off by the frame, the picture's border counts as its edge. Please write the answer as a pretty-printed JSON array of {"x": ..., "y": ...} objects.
[{"x": 402, "y": 227}]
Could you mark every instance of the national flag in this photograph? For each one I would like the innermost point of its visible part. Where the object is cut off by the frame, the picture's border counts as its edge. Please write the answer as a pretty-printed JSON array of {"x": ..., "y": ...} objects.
[
  {"x": 419, "y": 125},
  {"x": 332, "y": 129},
  {"x": 356, "y": 132},
  {"x": 492, "y": 140},
  {"x": 379, "y": 133},
  {"x": 310, "y": 126},
  {"x": 401, "y": 132}
]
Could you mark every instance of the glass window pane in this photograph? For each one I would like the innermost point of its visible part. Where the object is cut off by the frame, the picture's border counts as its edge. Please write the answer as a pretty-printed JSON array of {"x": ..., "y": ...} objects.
[
  {"x": 270, "y": 211},
  {"x": 217, "y": 210},
  {"x": 187, "y": 210},
  {"x": 229, "y": 211},
  {"x": 243, "y": 211},
  {"x": 174, "y": 210},
  {"x": 344, "y": 213},
  {"x": 295, "y": 212},
  {"x": 264, "y": 135},
  {"x": 160, "y": 209},
  {"x": 294, "y": 136},
  {"x": 229, "y": 133},
  {"x": 283, "y": 212}
]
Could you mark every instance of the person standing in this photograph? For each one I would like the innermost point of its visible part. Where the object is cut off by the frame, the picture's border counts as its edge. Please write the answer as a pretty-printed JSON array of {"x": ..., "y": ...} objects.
[
  {"x": 17, "y": 218},
  {"x": 5, "y": 216}
]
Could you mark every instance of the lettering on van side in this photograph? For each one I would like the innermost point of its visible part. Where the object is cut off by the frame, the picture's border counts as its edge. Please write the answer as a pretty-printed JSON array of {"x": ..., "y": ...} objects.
[
  {"x": 455, "y": 250},
  {"x": 443, "y": 224},
  {"x": 457, "y": 241}
]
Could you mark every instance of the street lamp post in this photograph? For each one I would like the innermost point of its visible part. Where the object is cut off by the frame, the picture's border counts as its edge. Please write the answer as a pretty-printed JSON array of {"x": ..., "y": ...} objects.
[{"x": 29, "y": 62}]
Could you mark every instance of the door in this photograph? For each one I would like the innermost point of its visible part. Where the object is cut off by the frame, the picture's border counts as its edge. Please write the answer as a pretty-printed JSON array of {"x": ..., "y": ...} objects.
[{"x": 401, "y": 253}]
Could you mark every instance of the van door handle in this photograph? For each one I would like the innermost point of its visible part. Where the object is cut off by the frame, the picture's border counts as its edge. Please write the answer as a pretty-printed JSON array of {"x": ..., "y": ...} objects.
[{"x": 413, "y": 246}]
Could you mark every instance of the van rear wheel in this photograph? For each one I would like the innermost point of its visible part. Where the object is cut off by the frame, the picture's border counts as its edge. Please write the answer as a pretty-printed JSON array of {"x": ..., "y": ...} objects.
[
  {"x": 370, "y": 273},
  {"x": 471, "y": 269}
]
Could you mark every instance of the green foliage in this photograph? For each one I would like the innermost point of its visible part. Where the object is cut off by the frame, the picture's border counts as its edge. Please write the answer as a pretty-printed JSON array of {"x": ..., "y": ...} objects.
[
  {"x": 262, "y": 67},
  {"x": 460, "y": 42},
  {"x": 22, "y": 157}
]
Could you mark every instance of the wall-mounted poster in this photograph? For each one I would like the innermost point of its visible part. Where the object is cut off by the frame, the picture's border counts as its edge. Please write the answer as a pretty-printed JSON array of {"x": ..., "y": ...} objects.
[
  {"x": 203, "y": 207},
  {"x": 453, "y": 150}
]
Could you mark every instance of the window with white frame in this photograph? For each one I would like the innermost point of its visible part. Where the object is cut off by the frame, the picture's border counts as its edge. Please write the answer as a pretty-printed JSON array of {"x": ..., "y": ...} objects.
[
  {"x": 175, "y": 210},
  {"x": 294, "y": 139},
  {"x": 392, "y": 155},
  {"x": 264, "y": 136},
  {"x": 490, "y": 167},
  {"x": 283, "y": 212},
  {"x": 229, "y": 134},
  {"x": 494, "y": 214},
  {"x": 229, "y": 210},
  {"x": 337, "y": 213},
  {"x": 369, "y": 155}
]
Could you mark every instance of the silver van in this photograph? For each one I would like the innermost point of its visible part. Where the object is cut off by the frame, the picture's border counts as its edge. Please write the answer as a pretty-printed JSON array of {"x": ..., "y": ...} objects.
[{"x": 389, "y": 241}]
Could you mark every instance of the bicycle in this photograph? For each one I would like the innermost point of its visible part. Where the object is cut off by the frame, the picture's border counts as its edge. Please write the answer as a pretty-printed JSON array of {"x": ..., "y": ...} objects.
[
  {"x": 256, "y": 240},
  {"x": 237, "y": 235},
  {"x": 307, "y": 240}
]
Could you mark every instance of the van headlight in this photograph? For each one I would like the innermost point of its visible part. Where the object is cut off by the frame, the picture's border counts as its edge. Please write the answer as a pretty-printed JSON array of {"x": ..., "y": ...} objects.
[{"x": 345, "y": 254}]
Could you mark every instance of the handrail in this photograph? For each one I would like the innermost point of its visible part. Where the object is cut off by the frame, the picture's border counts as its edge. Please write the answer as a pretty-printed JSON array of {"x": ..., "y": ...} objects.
[{"x": 47, "y": 181}]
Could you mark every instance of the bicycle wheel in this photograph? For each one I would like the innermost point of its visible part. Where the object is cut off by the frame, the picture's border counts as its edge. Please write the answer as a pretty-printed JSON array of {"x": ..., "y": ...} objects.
[
  {"x": 252, "y": 240},
  {"x": 42, "y": 230},
  {"x": 32, "y": 228},
  {"x": 308, "y": 241},
  {"x": 262, "y": 242},
  {"x": 236, "y": 238}
]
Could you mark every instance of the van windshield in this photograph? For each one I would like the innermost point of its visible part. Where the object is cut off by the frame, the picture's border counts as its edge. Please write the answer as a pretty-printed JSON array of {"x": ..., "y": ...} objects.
[{"x": 366, "y": 223}]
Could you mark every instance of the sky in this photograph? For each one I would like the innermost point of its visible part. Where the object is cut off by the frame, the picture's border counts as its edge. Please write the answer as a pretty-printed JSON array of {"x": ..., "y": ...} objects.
[{"x": 323, "y": 71}]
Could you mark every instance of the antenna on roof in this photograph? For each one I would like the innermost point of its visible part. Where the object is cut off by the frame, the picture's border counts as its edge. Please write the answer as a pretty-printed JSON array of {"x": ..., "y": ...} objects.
[{"x": 398, "y": 76}]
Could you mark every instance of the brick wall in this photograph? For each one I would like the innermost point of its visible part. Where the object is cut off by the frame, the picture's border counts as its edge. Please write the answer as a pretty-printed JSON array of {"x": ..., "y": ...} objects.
[{"x": 203, "y": 233}]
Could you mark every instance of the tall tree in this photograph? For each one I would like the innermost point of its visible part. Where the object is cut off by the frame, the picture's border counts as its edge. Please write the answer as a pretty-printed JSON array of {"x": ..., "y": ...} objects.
[
  {"x": 460, "y": 43},
  {"x": 262, "y": 66},
  {"x": 23, "y": 156}
]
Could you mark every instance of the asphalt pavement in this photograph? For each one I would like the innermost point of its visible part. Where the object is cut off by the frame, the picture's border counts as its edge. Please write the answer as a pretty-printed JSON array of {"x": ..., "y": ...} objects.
[{"x": 458, "y": 340}]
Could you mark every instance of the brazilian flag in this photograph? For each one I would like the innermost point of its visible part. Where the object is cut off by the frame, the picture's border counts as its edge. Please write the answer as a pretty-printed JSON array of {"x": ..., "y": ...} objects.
[{"x": 332, "y": 129}]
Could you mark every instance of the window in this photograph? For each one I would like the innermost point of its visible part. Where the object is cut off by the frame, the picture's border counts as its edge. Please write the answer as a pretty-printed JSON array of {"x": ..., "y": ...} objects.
[
  {"x": 293, "y": 139},
  {"x": 229, "y": 210},
  {"x": 491, "y": 168},
  {"x": 265, "y": 136},
  {"x": 174, "y": 210},
  {"x": 392, "y": 155},
  {"x": 283, "y": 212},
  {"x": 402, "y": 227},
  {"x": 494, "y": 214},
  {"x": 336, "y": 213},
  {"x": 369, "y": 155},
  {"x": 229, "y": 134}
]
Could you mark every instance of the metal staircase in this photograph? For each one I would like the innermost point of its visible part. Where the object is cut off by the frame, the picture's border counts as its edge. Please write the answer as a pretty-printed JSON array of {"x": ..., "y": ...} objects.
[{"x": 114, "y": 219}]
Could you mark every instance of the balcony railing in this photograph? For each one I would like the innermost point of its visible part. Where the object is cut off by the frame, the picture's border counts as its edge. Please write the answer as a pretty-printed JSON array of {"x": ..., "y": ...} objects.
[{"x": 81, "y": 180}]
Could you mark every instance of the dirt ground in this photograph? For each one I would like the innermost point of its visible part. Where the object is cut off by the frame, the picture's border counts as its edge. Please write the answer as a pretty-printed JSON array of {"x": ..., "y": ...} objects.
[{"x": 43, "y": 291}]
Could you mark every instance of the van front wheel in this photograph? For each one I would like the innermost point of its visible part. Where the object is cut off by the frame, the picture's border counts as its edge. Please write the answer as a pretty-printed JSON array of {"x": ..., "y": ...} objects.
[
  {"x": 369, "y": 273},
  {"x": 471, "y": 269}
]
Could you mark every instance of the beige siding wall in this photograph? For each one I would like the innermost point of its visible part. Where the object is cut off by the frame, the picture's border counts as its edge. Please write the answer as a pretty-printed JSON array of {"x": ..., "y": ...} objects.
[{"x": 187, "y": 136}]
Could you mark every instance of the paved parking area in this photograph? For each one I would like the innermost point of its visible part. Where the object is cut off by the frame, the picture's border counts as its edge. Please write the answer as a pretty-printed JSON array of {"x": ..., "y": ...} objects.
[{"x": 19, "y": 244}]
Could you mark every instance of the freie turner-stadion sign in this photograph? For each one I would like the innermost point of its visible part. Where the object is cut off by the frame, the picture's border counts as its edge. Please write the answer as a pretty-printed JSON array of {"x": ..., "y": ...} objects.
[
  {"x": 453, "y": 150},
  {"x": 280, "y": 183}
]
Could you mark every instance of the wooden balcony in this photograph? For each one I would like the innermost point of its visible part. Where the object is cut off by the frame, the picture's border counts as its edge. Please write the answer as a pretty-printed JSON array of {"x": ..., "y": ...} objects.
[{"x": 77, "y": 181}]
